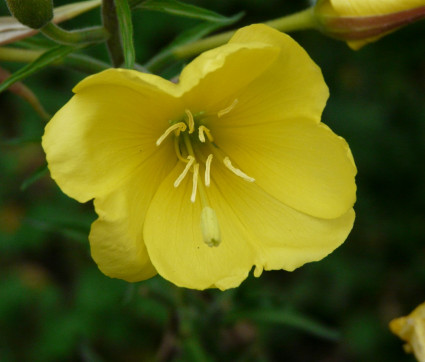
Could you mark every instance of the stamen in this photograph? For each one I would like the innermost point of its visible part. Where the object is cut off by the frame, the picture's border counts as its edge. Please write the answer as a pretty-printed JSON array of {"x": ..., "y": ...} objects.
[
  {"x": 190, "y": 120},
  {"x": 227, "y": 109},
  {"x": 185, "y": 171},
  {"x": 195, "y": 181},
  {"x": 208, "y": 170},
  {"x": 236, "y": 171},
  {"x": 202, "y": 131},
  {"x": 210, "y": 228},
  {"x": 180, "y": 126},
  {"x": 177, "y": 149}
]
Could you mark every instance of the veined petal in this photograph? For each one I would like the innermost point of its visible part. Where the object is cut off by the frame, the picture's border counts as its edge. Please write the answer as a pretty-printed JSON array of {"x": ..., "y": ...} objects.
[
  {"x": 283, "y": 237},
  {"x": 291, "y": 87},
  {"x": 175, "y": 245},
  {"x": 210, "y": 81},
  {"x": 301, "y": 163},
  {"x": 373, "y": 7},
  {"x": 116, "y": 238},
  {"x": 104, "y": 132},
  {"x": 256, "y": 230}
]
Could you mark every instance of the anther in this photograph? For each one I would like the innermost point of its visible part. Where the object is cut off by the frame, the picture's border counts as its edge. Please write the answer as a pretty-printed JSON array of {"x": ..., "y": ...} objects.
[
  {"x": 227, "y": 109},
  {"x": 190, "y": 120},
  {"x": 181, "y": 126},
  {"x": 236, "y": 171},
  {"x": 195, "y": 182},
  {"x": 202, "y": 131},
  {"x": 208, "y": 170},
  {"x": 191, "y": 160},
  {"x": 209, "y": 227}
]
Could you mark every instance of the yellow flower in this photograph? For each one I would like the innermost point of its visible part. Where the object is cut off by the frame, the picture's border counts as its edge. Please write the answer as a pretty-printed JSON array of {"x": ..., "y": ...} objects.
[
  {"x": 411, "y": 329},
  {"x": 364, "y": 21},
  {"x": 201, "y": 180}
]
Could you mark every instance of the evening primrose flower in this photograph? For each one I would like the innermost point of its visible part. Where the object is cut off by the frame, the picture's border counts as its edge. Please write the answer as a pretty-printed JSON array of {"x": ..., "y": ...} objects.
[
  {"x": 363, "y": 21},
  {"x": 411, "y": 329},
  {"x": 201, "y": 180}
]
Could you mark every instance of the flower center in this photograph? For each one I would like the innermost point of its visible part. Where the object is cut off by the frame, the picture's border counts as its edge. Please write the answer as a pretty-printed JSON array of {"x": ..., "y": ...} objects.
[{"x": 195, "y": 148}]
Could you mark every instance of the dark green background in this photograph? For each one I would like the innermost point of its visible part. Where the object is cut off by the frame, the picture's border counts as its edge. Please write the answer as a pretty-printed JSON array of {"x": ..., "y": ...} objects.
[{"x": 56, "y": 306}]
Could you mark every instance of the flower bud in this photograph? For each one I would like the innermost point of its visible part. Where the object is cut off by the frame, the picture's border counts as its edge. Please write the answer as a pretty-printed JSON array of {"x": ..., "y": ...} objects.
[
  {"x": 359, "y": 22},
  {"x": 32, "y": 13}
]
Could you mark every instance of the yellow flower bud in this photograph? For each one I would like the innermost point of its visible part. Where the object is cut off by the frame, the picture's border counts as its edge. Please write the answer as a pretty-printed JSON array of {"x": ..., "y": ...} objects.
[
  {"x": 32, "y": 13},
  {"x": 363, "y": 21},
  {"x": 411, "y": 329}
]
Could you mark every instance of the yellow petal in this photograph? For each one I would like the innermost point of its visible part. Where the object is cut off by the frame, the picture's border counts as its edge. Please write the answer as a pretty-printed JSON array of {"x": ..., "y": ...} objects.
[
  {"x": 373, "y": 7},
  {"x": 116, "y": 238},
  {"x": 175, "y": 245},
  {"x": 211, "y": 80},
  {"x": 117, "y": 254},
  {"x": 301, "y": 163},
  {"x": 143, "y": 83},
  {"x": 291, "y": 87},
  {"x": 105, "y": 131},
  {"x": 256, "y": 229},
  {"x": 282, "y": 237}
]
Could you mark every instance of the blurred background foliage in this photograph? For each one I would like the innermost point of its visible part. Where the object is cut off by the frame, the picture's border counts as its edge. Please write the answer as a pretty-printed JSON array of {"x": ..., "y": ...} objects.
[{"x": 55, "y": 305}]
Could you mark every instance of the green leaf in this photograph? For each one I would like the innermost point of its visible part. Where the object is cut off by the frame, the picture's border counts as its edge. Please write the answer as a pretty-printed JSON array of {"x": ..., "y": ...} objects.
[
  {"x": 72, "y": 229},
  {"x": 126, "y": 30},
  {"x": 289, "y": 318},
  {"x": 12, "y": 30},
  {"x": 49, "y": 57},
  {"x": 38, "y": 174},
  {"x": 201, "y": 30},
  {"x": 178, "y": 8},
  {"x": 190, "y": 35}
]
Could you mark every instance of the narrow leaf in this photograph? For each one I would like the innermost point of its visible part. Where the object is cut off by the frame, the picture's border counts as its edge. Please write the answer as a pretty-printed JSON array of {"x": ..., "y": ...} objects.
[
  {"x": 186, "y": 37},
  {"x": 290, "y": 318},
  {"x": 38, "y": 174},
  {"x": 50, "y": 56},
  {"x": 178, "y": 8},
  {"x": 72, "y": 229},
  {"x": 201, "y": 30},
  {"x": 25, "y": 93},
  {"x": 126, "y": 30}
]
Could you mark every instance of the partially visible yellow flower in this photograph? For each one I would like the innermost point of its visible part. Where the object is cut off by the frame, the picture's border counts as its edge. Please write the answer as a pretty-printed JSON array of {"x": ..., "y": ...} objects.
[
  {"x": 201, "y": 180},
  {"x": 411, "y": 329},
  {"x": 363, "y": 21}
]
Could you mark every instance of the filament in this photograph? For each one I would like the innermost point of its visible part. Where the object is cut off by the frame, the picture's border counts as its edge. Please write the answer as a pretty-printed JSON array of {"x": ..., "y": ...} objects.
[
  {"x": 189, "y": 164},
  {"x": 195, "y": 182},
  {"x": 208, "y": 170},
  {"x": 181, "y": 126},
  {"x": 236, "y": 171}
]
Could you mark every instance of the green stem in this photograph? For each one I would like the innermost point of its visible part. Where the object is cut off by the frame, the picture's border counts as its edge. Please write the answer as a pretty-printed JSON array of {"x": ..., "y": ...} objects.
[
  {"x": 78, "y": 62},
  {"x": 19, "y": 55},
  {"x": 299, "y": 21},
  {"x": 110, "y": 22},
  {"x": 61, "y": 36}
]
